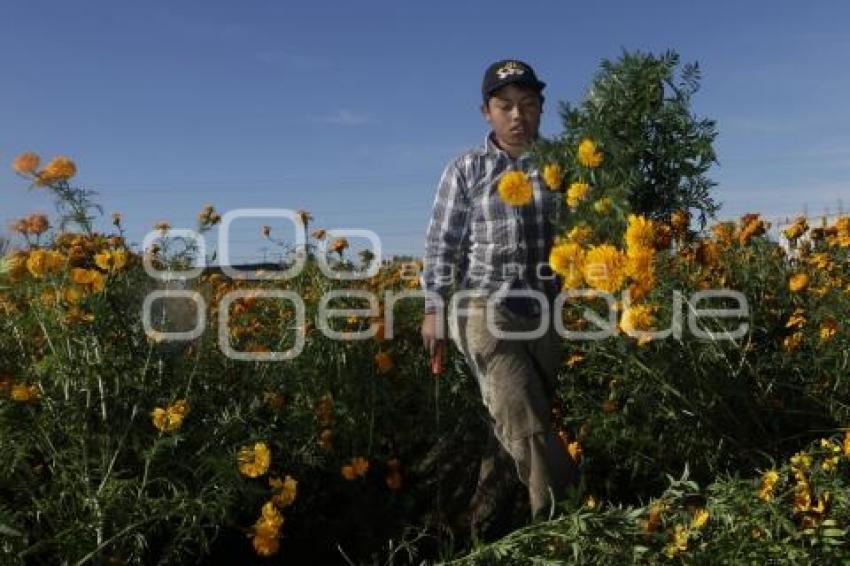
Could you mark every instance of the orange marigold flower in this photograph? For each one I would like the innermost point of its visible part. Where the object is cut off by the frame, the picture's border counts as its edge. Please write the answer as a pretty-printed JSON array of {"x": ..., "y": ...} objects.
[
  {"x": 287, "y": 491},
  {"x": 384, "y": 362},
  {"x": 24, "y": 393},
  {"x": 26, "y": 163},
  {"x": 59, "y": 169}
]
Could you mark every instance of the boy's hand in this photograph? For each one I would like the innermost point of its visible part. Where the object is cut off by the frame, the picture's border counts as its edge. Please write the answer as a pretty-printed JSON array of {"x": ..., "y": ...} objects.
[{"x": 433, "y": 344}]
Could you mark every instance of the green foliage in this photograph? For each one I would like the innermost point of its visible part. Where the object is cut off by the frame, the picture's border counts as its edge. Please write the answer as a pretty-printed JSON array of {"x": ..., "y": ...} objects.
[{"x": 656, "y": 150}]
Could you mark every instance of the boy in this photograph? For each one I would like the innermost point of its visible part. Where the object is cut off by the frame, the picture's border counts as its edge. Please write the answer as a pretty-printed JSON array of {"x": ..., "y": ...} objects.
[{"x": 499, "y": 250}]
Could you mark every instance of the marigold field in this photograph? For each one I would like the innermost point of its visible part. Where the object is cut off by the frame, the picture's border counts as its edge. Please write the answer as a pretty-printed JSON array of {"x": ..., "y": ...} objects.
[{"x": 121, "y": 446}]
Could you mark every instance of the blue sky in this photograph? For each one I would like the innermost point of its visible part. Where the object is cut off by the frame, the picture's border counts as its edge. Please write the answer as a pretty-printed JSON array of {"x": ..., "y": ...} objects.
[{"x": 352, "y": 109}]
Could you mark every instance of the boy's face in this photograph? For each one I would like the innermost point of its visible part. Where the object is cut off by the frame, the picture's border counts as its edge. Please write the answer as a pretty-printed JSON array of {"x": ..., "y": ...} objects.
[{"x": 514, "y": 114}]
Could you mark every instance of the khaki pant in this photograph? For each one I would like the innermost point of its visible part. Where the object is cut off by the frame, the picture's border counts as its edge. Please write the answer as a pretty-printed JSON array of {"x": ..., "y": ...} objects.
[{"x": 517, "y": 382}]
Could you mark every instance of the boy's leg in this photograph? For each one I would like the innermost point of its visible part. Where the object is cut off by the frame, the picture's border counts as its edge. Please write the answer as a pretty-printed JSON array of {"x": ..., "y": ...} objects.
[{"x": 517, "y": 380}]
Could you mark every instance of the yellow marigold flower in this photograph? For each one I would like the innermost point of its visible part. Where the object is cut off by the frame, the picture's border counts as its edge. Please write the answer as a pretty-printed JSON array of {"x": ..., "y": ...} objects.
[
  {"x": 89, "y": 279},
  {"x": 798, "y": 282},
  {"x": 679, "y": 543},
  {"x": 26, "y": 163},
  {"x": 792, "y": 343},
  {"x": 254, "y": 460},
  {"x": 552, "y": 175},
  {"x": 700, "y": 519},
  {"x": 797, "y": 229},
  {"x": 575, "y": 451},
  {"x": 588, "y": 154},
  {"x": 724, "y": 232},
  {"x": 384, "y": 362},
  {"x": 37, "y": 263},
  {"x": 59, "y": 169},
  {"x": 637, "y": 318},
  {"x": 111, "y": 260},
  {"x": 801, "y": 461},
  {"x": 846, "y": 443},
  {"x": 603, "y": 205},
  {"x": 820, "y": 261},
  {"x": 580, "y": 234},
  {"x": 515, "y": 188},
  {"x": 751, "y": 226},
  {"x": 828, "y": 329},
  {"x": 640, "y": 233},
  {"x": 567, "y": 260},
  {"x": 604, "y": 268},
  {"x": 23, "y": 393},
  {"x": 287, "y": 489},
  {"x": 266, "y": 546},
  {"x": 640, "y": 263},
  {"x": 797, "y": 320},
  {"x": 170, "y": 418},
  {"x": 71, "y": 295},
  {"x": 576, "y": 193}
]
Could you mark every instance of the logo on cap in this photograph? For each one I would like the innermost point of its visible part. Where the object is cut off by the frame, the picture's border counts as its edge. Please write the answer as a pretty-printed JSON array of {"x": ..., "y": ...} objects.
[{"x": 510, "y": 68}]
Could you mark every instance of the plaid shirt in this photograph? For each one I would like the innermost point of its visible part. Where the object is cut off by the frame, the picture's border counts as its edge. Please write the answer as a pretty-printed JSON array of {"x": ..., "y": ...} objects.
[{"x": 478, "y": 240}]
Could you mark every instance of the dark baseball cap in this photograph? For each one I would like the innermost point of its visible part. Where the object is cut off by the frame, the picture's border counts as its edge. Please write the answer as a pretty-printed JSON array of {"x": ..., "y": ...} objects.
[{"x": 508, "y": 71}]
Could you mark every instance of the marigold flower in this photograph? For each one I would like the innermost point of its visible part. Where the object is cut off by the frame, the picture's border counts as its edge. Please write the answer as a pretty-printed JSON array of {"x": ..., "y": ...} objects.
[
  {"x": 287, "y": 490},
  {"x": 588, "y": 154},
  {"x": 724, "y": 232},
  {"x": 576, "y": 193},
  {"x": 846, "y": 443},
  {"x": 640, "y": 263},
  {"x": 679, "y": 543},
  {"x": 26, "y": 163},
  {"x": 91, "y": 280},
  {"x": 23, "y": 393},
  {"x": 515, "y": 188},
  {"x": 792, "y": 343},
  {"x": 266, "y": 546},
  {"x": 575, "y": 451},
  {"x": 552, "y": 175},
  {"x": 567, "y": 260},
  {"x": 798, "y": 282},
  {"x": 640, "y": 233},
  {"x": 360, "y": 465},
  {"x": 348, "y": 473},
  {"x": 828, "y": 329},
  {"x": 170, "y": 418},
  {"x": 604, "y": 268},
  {"x": 254, "y": 460},
  {"x": 797, "y": 320},
  {"x": 384, "y": 362},
  {"x": 338, "y": 245},
  {"x": 707, "y": 253},
  {"x": 111, "y": 261},
  {"x": 59, "y": 169},
  {"x": 700, "y": 519},
  {"x": 636, "y": 319},
  {"x": 36, "y": 224},
  {"x": 751, "y": 226}
]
